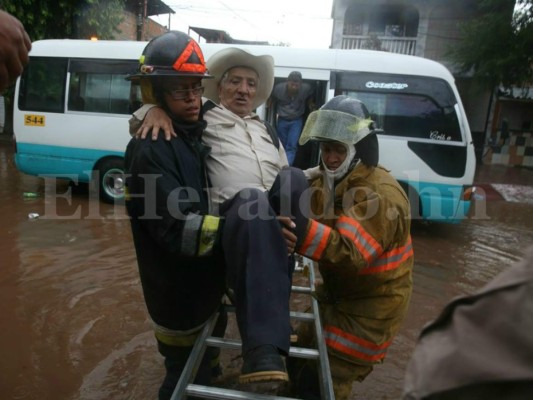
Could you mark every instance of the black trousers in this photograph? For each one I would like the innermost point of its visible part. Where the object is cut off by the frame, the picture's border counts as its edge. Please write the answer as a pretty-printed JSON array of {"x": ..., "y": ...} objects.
[{"x": 257, "y": 263}]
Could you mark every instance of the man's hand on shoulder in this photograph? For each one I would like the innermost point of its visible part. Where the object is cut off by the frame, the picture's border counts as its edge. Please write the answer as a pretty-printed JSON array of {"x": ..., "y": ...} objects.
[
  {"x": 154, "y": 120},
  {"x": 148, "y": 118}
]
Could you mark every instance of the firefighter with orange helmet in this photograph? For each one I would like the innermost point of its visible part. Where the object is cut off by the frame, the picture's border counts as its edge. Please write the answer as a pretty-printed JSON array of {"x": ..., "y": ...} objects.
[{"x": 176, "y": 240}]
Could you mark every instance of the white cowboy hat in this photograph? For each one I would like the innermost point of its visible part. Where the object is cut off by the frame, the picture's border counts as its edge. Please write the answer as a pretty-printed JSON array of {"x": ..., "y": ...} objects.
[{"x": 232, "y": 57}]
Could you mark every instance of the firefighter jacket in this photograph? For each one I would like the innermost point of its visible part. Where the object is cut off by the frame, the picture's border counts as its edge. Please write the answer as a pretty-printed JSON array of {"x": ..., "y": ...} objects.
[
  {"x": 362, "y": 244},
  {"x": 175, "y": 239}
]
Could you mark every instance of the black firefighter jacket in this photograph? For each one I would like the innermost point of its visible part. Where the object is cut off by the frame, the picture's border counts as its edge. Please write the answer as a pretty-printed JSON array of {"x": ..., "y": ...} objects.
[{"x": 175, "y": 238}]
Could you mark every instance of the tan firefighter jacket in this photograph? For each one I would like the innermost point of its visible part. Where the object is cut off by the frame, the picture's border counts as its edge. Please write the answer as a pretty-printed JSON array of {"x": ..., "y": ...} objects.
[{"x": 365, "y": 258}]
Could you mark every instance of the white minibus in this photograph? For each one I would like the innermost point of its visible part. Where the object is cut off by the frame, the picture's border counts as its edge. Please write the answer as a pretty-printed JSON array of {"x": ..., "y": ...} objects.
[{"x": 72, "y": 106}]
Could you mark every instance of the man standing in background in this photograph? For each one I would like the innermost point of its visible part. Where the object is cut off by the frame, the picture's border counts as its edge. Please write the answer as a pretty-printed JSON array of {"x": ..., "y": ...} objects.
[{"x": 291, "y": 99}]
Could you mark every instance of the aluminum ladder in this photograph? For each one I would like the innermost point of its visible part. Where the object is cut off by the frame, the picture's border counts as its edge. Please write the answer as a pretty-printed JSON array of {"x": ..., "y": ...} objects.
[{"x": 185, "y": 387}]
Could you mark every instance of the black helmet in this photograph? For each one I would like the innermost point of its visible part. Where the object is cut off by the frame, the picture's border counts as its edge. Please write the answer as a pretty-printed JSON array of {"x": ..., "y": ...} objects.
[{"x": 172, "y": 54}]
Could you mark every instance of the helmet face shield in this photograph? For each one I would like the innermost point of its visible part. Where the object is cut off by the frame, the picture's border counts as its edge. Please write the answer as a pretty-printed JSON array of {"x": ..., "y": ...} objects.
[{"x": 332, "y": 125}]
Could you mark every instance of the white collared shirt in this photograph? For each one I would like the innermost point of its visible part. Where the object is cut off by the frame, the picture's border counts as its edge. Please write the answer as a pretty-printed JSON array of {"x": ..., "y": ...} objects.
[{"x": 242, "y": 154}]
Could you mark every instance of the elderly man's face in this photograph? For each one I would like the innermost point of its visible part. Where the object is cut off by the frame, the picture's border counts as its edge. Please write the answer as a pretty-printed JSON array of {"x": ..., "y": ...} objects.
[{"x": 237, "y": 90}]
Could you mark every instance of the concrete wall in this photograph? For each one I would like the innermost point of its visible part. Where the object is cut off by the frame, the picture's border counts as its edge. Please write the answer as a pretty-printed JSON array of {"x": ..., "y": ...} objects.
[{"x": 438, "y": 22}]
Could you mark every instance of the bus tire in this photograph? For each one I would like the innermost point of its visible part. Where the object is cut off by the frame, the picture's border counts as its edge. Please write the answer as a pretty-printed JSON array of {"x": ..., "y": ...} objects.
[{"x": 111, "y": 181}]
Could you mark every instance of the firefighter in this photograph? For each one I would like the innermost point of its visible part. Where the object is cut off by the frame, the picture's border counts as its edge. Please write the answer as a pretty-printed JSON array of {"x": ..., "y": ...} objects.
[
  {"x": 360, "y": 237},
  {"x": 176, "y": 240}
]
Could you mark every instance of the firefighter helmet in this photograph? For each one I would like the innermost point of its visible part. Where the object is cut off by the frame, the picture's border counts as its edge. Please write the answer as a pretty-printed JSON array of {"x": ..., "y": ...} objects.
[
  {"x": 173, "y": 53},
  {"x": 346, "y": 120}
]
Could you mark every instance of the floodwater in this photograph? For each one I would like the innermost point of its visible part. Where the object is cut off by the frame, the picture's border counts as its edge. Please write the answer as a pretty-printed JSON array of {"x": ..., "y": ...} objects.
[{"x": 72, "y": 317}]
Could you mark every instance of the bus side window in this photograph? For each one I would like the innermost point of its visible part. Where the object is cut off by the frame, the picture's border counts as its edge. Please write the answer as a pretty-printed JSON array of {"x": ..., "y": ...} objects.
[
  {"x": 43, "y": 85},
  {"x": 135, "y": 97},
  {"x": 99, "y": 86}
]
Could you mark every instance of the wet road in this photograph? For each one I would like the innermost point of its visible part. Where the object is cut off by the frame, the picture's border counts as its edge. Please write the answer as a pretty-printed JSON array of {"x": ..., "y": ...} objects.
[{"x": 73, "y": 321}]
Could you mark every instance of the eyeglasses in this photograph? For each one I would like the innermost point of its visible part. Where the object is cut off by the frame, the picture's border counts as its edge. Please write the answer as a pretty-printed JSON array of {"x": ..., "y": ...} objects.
[{"x": 182, "y": 94}]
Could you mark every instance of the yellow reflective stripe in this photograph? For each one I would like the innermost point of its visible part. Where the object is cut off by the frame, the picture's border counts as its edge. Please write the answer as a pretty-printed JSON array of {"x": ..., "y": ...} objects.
[
  {"x": 208, "y": 235},
  {"x": 215, "y": 361},
  {"x": 127, "y": 195},
  {"x": 179, "y": 341}
]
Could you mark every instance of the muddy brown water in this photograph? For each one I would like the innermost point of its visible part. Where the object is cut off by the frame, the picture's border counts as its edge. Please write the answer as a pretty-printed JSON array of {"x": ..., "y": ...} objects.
[{"x": 73, "y": 321}]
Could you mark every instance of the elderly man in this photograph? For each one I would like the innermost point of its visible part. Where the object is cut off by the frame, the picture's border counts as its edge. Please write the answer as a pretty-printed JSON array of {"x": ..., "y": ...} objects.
[{"x": 250, "y": 187}]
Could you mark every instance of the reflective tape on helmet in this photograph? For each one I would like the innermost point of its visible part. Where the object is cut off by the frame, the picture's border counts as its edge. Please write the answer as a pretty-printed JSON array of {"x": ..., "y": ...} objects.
[{"x": 181, "y": 63}]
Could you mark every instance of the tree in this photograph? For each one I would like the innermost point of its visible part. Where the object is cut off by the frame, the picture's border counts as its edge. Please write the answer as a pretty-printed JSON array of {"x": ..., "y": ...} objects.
[
  {"x": 73, "y": 19},
  {"x": 56, "y": 19},
  {"x": 497, "y": 45}
]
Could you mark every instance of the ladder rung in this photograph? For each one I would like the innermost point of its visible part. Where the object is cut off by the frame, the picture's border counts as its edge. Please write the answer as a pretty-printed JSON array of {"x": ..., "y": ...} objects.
[
  {"x": 300, "y": 289},
  {"x": 205, "y": 339},
  {"x": 302, "y": 316},
  {"x": 211, "y": 392},
  {"x": 234, "y": 344}
]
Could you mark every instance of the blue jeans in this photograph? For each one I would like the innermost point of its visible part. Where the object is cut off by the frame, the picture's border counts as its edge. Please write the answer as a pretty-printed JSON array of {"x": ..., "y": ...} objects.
[{"x": 289, "y": 133}]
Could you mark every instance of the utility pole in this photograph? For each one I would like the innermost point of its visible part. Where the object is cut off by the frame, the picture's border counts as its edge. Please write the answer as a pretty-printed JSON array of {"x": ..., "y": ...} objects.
[{"x": 142, "y": 9}]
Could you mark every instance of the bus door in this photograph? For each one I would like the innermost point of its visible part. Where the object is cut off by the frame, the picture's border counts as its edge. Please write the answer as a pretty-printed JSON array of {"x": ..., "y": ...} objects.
[{"x": 307, "y": 155}]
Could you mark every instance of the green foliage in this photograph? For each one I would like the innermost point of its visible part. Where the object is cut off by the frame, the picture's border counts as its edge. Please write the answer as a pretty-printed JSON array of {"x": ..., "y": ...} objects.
[
  {"x": 497, "y": 45},
  {"x": 92, "y": 20},
  {"x": 74, "y": 19}
]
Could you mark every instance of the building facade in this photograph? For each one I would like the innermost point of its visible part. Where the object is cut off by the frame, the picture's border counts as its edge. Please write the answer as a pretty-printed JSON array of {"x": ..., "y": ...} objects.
[
  {"x": 428, "y": 28},
  {"x": 137, "y": 25}
]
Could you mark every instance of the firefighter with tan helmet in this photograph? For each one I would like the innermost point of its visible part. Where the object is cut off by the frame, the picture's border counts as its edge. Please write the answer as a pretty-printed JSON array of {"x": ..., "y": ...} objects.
[{"x": 360, "y": 237}]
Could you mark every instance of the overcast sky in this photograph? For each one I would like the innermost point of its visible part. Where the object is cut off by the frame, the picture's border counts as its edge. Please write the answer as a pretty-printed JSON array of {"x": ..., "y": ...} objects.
[{"x": 299, "y": 23}]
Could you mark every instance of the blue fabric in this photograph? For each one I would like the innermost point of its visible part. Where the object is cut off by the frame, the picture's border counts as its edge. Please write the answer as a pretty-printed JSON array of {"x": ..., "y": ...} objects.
[
  {"x": 289, "y": 133},
  {"x": 258, "y": 269}
]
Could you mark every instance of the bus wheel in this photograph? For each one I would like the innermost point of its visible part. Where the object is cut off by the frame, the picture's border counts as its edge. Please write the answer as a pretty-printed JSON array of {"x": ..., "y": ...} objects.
[{"x": 111, "y": 180}]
